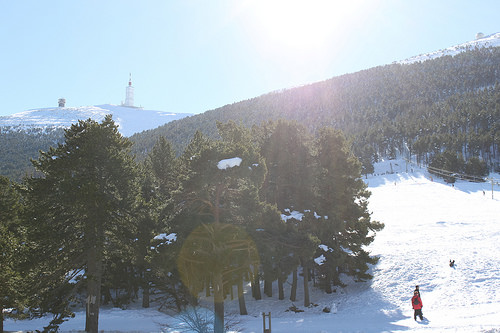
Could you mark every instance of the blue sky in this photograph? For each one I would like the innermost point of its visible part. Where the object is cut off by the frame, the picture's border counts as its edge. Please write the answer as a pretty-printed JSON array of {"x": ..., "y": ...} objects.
[{"x": 197, "y": 55}]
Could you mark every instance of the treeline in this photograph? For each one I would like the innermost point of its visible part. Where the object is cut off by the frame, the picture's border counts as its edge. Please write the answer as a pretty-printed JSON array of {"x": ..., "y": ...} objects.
[
  {"x": 255, "y": 206},
  {"x": 450, "y": 166},
  {"x": 18, "y": 145},
  {"x": 448, "y": 103}
]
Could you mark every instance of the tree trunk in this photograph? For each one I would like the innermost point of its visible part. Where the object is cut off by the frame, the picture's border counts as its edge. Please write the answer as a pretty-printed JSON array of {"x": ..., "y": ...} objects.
[
  {"x": 241, "y": 298},
  {"x": 306, "y": 286},
  {"x": 328, "y": 283},
  {"x": 218, "y": 304},
  {"x": 218, "y": 283},
  {"x": 256, "y": 288},
  {"x": 106, "y": 294},
  {"x": 207, "y": 287},
  {"x": 145, "y": 295},
  {"x": 268, "y": 287},
  {"x": 281, "y": 292},
  {"x": 1, "y": 319},
  {"x": 293, "y": 292},
  {"x": 94, "y": 275}
]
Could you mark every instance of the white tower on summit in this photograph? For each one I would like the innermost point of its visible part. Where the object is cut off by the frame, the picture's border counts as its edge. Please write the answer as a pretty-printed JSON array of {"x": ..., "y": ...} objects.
[{"x": 129, "y": 94}]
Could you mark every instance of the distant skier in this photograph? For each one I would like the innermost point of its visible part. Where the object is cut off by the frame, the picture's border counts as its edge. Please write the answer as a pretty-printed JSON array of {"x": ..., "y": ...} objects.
[
  {"x": 452, "y": 263},
  {"x": 417, "y": 290},
  {"x": 417, "y": 305}
]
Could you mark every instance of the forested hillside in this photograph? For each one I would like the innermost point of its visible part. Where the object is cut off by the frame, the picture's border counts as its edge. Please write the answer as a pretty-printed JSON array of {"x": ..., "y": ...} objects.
[
  {"x": 19, "y": 146},
  {"x": 445, "y": 104},
  {"x": 450, "y": 104}
]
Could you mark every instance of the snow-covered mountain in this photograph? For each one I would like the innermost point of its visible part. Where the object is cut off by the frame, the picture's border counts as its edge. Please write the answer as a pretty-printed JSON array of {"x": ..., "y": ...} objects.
[
  {"x": 492, "y": 40},
  {"x": 133, "y": 120},
  {"x": 129, "y": 119}
]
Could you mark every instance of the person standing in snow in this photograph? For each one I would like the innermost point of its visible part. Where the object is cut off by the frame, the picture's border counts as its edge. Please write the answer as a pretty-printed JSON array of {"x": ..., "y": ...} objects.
[{"x": 416, "y": 303}]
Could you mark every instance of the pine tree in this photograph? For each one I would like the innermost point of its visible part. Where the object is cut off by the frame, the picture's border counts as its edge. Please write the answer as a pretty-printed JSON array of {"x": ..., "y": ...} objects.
[
  {"x": 221, "y": 202},
  {"x": 344, "y": 226},
  {"x": 285, "y": 147},
  {"x": 81, "y": 205},
  {"x": 11, "y": 249},
  {"x": 160, "y": 185}
]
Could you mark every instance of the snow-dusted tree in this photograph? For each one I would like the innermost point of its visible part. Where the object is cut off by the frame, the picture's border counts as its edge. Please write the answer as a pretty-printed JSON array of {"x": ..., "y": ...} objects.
[
  {"x": 221, "y": 202},
  {"x": 82, "y": 205},
  {"x": 322, "y": 179},
  {"x": 284, "y": 148},
  {"x": 156, "y": 255},
  {"x": 344, "y": 226}
]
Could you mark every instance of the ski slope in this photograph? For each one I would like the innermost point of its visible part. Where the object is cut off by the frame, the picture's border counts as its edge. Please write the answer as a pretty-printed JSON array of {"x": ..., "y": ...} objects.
[{"x": 427, "y": 223}]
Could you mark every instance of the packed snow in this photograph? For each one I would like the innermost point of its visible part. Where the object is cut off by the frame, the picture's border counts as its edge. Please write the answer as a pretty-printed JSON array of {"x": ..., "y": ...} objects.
[
  {"x": 169, "y": 238},
  {"x": 291, "y": 214},
  {"x": 427, "y": 223},
  {"x": 130, "y": 120},
  {"x": 229, "y": 163}
]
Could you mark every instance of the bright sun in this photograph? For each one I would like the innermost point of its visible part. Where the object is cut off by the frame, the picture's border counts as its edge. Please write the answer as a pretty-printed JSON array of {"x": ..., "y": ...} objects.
[
  {"x": 300, "y": 39},
  {"x": 302, "y": 25}
]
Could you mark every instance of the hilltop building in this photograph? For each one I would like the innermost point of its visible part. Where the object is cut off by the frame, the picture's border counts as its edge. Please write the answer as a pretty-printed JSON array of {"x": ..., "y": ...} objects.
[{"x": 129, "y": 95}]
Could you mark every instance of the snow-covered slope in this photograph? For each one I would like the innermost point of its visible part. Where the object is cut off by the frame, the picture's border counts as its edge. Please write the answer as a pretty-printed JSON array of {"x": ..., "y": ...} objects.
[
  {"x": 486, "y": 41},
  {"x": 130, "y": 120},
  {"x": 133, "y": 120},
  {"x": 427, "y": 223}
]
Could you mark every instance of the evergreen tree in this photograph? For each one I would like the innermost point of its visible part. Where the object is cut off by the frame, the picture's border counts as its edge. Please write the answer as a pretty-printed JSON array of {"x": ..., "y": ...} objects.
[
  {"x": 12, "y": 250},
  {"x": 305, "y": 241},
  {"x": 286, "y": 148},
  {"x": 447, "y": 164},
  {"x": 220, "y": 191},
  {"x": 160, "y": 187},
  {"x": 82, "y": 206},
  {"x": 476, "y": 167},
  {"x": 344, "y": 226}
]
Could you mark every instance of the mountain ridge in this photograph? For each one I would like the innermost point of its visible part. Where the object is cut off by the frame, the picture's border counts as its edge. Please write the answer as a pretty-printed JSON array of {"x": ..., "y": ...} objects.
[
  {"x": 492, "y": 40},
  {"x": 130, "y": 120},
  {"x": 422, "y": 107}
]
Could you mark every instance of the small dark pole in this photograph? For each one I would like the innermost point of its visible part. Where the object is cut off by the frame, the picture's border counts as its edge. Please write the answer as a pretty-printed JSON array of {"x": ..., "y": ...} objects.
[{"x": 266, "y": 330}]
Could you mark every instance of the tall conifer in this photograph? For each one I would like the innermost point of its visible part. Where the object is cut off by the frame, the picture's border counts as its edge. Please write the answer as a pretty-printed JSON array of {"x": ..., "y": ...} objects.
[{"x": 81, "y": 205}]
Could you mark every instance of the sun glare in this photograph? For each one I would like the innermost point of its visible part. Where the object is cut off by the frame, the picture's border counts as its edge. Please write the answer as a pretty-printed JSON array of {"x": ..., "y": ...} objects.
[
  {"x": 302, "y": 25},
  {"x": 302, "y": 38}
]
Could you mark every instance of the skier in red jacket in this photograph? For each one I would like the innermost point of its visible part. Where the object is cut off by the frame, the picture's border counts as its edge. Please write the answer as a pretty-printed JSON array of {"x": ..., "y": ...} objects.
[{"x": 416, "y": 302}]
